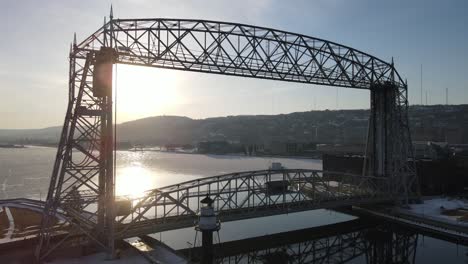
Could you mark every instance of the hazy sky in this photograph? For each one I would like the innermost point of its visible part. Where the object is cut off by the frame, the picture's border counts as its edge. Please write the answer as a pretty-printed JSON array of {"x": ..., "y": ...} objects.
[{"x": 36, "y": 36}]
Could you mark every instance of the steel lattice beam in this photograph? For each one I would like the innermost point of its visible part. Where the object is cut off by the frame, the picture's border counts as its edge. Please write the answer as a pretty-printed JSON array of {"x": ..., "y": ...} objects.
[{"x": 241, "y": 50}]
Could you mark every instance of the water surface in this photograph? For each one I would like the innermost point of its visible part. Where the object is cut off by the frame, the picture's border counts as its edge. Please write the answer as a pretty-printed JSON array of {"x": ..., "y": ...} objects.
[{"x": 26, "y": 173}]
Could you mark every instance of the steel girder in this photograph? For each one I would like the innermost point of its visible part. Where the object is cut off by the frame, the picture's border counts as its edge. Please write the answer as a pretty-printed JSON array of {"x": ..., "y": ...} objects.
[{"x": 81, "y": 186}]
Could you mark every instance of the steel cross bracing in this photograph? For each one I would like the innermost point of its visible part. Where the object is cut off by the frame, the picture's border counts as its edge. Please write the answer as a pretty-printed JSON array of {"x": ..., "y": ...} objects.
[
  {"x": 82, "y": 182},
  {"x": 247, "y": 195}
]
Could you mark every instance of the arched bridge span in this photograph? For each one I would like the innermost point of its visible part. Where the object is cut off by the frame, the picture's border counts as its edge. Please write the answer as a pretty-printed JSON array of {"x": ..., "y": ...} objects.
[
  {"x": 249, "y": 194},
  {"x": 85, "y": 158}
]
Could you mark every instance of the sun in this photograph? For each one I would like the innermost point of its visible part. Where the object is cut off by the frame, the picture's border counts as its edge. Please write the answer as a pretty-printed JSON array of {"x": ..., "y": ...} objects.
[{"x": 143, "y": 92}]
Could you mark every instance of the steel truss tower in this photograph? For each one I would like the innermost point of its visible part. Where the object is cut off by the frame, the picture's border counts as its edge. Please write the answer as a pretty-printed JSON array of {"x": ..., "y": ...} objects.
[{"x": 81, "y": 192}]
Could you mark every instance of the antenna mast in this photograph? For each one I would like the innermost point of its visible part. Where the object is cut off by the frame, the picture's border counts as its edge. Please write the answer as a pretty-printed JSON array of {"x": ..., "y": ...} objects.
[{"x": 421, "y": 87}]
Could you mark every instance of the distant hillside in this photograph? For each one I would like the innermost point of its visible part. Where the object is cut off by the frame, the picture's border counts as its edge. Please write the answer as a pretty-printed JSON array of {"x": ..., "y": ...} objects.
[
  {"x": 158, "y": 130},
  {"x": 428, "y": 123},
  {"x": 49, "y": 134},
  {"x": 302, "y": 126}
]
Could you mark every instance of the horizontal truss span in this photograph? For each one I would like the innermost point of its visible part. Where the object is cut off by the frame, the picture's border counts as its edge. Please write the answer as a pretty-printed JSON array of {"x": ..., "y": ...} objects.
[{"x": 240, "y": 50}]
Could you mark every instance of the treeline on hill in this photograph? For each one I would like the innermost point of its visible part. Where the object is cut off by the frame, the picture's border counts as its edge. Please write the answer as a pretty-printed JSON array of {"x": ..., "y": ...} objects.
[{"x": 438, "y": 123}]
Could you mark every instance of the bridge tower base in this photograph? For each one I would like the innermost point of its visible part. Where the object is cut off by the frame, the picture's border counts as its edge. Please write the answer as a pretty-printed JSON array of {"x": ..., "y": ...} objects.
[
  {"x": 382, "y": 129},
  {"x": 389, "y": 147}
]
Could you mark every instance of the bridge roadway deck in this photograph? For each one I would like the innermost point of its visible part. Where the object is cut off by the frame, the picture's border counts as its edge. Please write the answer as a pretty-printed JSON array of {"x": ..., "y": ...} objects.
[
  {"x": 168, "y": 223},
  {"x": 184, "y": 221}
]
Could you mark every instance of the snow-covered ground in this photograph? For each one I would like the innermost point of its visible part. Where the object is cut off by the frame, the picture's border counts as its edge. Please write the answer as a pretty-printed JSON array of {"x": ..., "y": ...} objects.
[{"x": 433, "y": 209}]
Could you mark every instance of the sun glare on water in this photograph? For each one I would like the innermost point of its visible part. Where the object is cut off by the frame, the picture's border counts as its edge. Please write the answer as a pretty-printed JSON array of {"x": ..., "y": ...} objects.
[{"x": 133, "y": 181}]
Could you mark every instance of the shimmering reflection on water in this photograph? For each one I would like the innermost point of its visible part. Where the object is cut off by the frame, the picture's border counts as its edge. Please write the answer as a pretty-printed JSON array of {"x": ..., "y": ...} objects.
[
  {"x": 138, "y": 171},
  {"x": 133, "y": 180},
  {"x": 26, "y": 172}
]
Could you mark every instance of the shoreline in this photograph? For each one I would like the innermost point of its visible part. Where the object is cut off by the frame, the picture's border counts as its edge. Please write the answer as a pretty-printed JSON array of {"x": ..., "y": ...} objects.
[
  {"x": 227, "y": 154},
  {"x": 194, "y": 153}
]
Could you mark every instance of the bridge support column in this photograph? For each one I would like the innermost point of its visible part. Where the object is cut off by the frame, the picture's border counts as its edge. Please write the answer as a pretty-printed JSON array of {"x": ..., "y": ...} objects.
[
  {"x": 102, "y": 88},
  {"x": 382, "y": 129},
  {"x": 389, "y": 145}
]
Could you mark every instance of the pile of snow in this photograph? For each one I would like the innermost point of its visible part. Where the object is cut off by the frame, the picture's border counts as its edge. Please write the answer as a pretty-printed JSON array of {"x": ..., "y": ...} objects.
[{"x": 433, "y": 208}]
